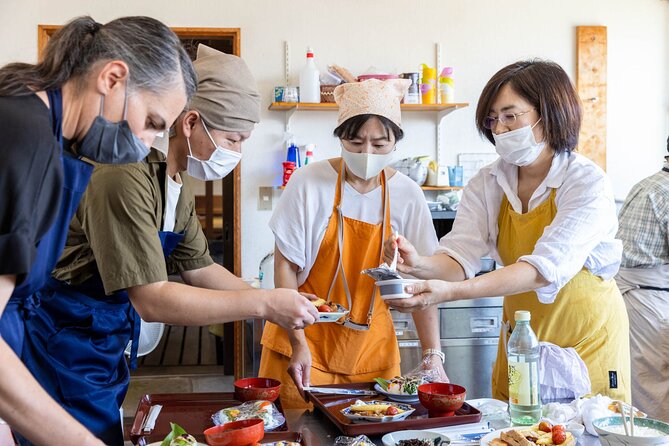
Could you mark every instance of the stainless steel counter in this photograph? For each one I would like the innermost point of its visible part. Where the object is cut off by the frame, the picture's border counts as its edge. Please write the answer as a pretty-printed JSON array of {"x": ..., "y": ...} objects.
[{"x": 318, "y": 430}]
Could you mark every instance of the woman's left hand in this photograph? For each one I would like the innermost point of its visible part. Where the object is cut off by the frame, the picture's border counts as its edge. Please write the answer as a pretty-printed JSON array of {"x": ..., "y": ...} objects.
[
  {"x": 426, "y": 293},
  {"x": 433, "y": 362}
]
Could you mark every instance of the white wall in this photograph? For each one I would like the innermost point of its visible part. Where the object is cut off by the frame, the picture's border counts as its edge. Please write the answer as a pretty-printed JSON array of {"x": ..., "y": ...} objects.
[{"x": 477, "y": 37}]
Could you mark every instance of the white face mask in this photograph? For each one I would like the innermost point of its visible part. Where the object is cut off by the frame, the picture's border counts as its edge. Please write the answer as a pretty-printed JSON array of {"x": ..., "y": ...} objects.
[
  {"x": 219, "y": 164},
  {"x": 518, "y": 146},
  {"x": 366, "y": 165}
]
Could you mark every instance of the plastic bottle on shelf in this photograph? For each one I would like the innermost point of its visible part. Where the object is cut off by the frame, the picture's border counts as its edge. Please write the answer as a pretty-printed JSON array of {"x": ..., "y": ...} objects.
[
  {"x": 447, "y": 86},
  {"x": 523, "y": 358},
  {"x": 309, "y": 156},
  {"x": 293, "y": 154},
  {"x": 310, "y": 87}
]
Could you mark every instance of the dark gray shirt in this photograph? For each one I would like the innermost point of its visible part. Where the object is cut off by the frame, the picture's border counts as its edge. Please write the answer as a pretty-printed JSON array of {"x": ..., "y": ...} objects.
[{"x": 31, "y": 178}]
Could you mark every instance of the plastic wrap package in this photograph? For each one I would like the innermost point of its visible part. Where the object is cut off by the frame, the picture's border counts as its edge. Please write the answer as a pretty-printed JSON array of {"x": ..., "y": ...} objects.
[
  {"x": 562, "y": 374},
  {"x": 382, "y": 272},
  {"x": 360, "y": 440},
  {"x": 251, "y": 409},
  {"x": 563, "y": 413},
  {"x": 450, "y": 200},
  {"x": 424, "y": 371}
]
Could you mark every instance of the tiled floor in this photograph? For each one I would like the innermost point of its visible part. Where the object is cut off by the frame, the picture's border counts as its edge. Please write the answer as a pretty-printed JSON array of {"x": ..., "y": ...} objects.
[{"x": 179, "y": 379}]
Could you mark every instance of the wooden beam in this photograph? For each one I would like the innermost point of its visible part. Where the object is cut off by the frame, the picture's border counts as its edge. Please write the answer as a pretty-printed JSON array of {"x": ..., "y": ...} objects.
[{"x": 591, "y": 82}]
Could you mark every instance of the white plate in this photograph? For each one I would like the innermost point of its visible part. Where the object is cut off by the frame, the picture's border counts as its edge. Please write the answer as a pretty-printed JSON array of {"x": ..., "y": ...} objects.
[
  {"x": 393, "y": 438},
  {"x": 332, "y": 316},
  {"x": 485, "y": 441},
  {"x": 408, "y": 410},
  {"x": 397, "y": 397}
]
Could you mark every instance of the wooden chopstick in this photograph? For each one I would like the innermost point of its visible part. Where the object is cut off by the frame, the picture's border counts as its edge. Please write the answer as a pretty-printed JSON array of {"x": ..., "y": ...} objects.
[
  {"x": 631, "y": 420},
  {"x": 621, "y": 407}
]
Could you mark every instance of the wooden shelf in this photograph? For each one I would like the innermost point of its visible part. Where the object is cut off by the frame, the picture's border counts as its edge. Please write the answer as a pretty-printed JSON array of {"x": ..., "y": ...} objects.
[
  {"x": 326, "y": 106},
  {"x": 442, "y": 187}
]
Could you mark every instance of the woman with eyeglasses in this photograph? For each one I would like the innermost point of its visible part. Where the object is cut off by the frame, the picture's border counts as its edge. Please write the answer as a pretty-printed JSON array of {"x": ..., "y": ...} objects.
[
  {"x": 330, "y": 225},
  {"x": 548, "y": 215},
  {"x": 99, "y": 95}
]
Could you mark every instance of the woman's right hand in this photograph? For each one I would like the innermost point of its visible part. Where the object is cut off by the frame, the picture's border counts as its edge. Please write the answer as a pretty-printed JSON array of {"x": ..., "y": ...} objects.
[
  {"x": 300, "y": 367},
  {"x": 289, "y": 309},
  {"x": 407, "y": 256}
]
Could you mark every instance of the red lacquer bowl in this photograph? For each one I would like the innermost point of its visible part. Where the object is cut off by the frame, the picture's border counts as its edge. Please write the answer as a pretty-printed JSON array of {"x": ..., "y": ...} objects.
[
  {"x": 237, "y": 433},
  {"x": 441, "y": 399},
  {"x": 252, "y": 389}
]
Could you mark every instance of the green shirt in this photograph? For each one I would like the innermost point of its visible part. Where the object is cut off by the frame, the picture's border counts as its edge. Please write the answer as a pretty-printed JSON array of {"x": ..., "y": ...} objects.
[{"x": 115, "y": 229}]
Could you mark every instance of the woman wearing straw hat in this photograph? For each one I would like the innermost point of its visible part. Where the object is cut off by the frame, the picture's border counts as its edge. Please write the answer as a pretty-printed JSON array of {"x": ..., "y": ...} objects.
[{"x": 329, "y": 226}]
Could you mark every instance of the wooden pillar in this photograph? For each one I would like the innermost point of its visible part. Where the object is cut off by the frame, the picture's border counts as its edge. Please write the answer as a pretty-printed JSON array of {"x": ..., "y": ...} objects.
[{"x": 591, "y": 65}]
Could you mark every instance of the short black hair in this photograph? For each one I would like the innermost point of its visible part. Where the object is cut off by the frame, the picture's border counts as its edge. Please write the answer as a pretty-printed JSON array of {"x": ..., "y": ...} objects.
[
  {"x": 667, "y": 143},
  {"x": 349, "y": 129},
  {"x": 547, "y": 87}
]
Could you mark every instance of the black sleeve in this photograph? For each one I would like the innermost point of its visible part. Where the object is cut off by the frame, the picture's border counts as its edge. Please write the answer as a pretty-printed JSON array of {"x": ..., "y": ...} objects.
[{"x": 31, "y": 180}]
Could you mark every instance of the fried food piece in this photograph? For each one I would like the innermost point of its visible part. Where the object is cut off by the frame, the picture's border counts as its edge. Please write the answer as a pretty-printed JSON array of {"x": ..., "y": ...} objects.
[
  {"x": 317, "y": 303},
  {"x": 514, "y": 438},
  {"x": 370, "y": 408}
]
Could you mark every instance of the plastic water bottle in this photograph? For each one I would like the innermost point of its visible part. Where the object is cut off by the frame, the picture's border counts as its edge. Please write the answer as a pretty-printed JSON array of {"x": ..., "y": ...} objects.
[
  {"x": 310, "y": 85},
  {"x": 309, "y": 157},
  {"x": 523, "y": 358}
]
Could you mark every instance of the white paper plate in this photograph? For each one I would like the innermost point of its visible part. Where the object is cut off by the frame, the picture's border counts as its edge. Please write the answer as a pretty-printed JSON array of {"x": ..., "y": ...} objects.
[
  {"x": 397, "y": 397},
  {"x": 393, "y": 438},
  {"x": 408, "y": 410},
  {"x": 333, "y": 316}
]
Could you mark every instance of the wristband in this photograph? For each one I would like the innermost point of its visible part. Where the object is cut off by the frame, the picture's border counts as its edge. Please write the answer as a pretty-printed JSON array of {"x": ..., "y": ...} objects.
[{"x": 433, "y": 351}]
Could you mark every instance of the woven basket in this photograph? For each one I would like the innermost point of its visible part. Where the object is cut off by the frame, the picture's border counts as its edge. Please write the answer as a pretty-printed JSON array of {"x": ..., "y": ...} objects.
[{"x": 327, "y": 93}]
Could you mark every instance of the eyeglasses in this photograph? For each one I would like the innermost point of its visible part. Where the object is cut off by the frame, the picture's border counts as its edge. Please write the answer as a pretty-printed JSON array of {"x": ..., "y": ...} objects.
[{"x": 507, "y": 119}]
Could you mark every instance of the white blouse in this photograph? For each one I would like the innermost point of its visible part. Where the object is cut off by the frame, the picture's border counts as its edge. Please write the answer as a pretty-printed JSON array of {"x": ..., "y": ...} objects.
[
  {"x": 304, "y": 209},
  {"x": 582, "y": 233}
]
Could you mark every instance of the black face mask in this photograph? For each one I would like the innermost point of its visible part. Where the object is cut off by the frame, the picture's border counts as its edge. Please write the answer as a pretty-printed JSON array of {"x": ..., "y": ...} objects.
[{"x": 112, "y": 142}]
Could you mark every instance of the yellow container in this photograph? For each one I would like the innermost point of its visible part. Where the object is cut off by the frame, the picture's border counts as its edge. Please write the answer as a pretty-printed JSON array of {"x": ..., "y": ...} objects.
[{"x": 428, "y": 86}]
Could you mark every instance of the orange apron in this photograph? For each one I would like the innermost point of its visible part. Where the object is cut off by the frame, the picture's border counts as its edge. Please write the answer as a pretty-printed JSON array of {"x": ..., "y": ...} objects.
[
  {"x": 588, "y": 313},
  {"x": 364, "y": 346}
]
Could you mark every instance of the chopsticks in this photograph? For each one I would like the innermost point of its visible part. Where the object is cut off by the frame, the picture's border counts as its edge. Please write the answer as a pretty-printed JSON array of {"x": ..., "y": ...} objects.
[{"x": 623, "y": 407}]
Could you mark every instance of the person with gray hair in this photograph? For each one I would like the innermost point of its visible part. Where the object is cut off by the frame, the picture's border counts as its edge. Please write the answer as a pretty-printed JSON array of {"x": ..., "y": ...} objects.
[
  {"x": 100, "y": 95},
  {"x": 135, "y": 225},
  {"x": 643, "y": 280}
]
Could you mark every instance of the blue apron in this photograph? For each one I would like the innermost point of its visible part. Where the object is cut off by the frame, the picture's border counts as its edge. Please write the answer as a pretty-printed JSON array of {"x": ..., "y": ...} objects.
[
  {"x": 75, "y": 347},
  {"x": 76, "y": 175}
]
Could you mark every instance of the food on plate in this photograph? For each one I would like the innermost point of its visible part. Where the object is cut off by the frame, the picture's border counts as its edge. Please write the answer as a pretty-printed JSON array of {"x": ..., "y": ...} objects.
[
  {"x": 402, "y": 385},
  {"x": 536, "y": 435},
  {"x": 178, "y": 437},
  {"x": 324, "y": 307},
  {"x": 264, "y": 410},
  {"x": 414, "y": 442},
  {"x": 375, "y": 410},
  {"x": 318, "y": 302},
  {"x": 282, "y": 443},
  {"x": 615, "y": 407}
]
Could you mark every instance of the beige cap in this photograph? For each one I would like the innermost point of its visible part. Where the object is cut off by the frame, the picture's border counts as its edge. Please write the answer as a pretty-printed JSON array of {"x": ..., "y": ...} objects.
[
  {"x": 227, "y": 96},
  {"x": 373, "y": 96}
]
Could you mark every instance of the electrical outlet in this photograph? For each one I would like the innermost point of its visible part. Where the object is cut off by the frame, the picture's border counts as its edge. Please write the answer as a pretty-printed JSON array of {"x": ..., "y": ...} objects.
[{"x": 265, "y": 195}]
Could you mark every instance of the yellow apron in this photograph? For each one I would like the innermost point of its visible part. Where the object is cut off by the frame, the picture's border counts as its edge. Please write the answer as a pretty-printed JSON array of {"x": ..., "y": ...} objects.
[
  {"x": 588, "y": 314},
  {"x": 365, "y": 346}
]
